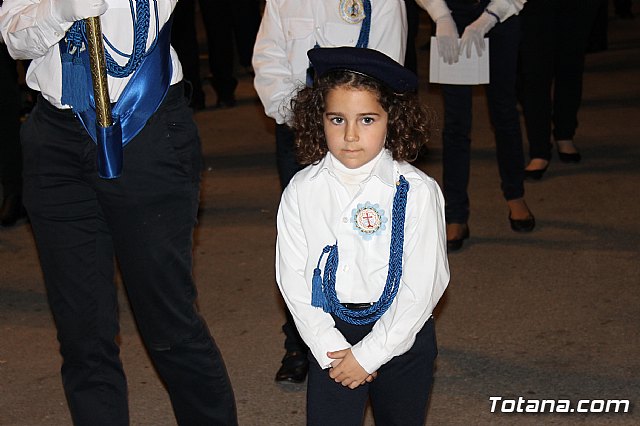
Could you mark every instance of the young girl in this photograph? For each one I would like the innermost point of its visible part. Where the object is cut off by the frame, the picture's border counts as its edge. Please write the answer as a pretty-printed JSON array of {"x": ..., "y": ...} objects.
[{"x": 361, "y": 256}]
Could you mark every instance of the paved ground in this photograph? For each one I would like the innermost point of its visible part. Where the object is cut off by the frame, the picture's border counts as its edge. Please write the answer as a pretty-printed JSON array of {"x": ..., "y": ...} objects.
[{"x": 550, "y": 315}]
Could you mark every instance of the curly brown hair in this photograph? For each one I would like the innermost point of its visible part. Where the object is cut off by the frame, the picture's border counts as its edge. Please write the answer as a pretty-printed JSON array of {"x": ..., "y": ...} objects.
[{"x": 408, "y": 127}]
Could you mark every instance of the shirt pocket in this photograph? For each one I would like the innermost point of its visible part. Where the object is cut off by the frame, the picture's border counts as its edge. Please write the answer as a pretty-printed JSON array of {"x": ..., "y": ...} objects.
[
  {"x": 342, "y": 34},
  {"x": 298, "y": 28}
]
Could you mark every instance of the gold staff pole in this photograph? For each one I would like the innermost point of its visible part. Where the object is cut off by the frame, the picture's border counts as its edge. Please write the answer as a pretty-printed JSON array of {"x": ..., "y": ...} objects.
[{"x": 98, "y": 72}]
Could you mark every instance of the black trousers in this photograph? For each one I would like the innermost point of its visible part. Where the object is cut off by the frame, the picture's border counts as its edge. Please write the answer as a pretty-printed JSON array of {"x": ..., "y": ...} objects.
[
  {"x": 185, "y": 41},
  {"x": 10, "y": 154},
  {"x": 287, "y": 167},
  {"x": 399, "y": 395},
  {"x": 146, "y": 219},
  {"x": 229, "y": 23},
  {"x": 555, "y": 39},
  {"x": 504, "y": 41}
]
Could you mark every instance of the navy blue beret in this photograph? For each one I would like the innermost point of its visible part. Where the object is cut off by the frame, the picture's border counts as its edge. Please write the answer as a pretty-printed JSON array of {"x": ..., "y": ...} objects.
[{"x": 369, "y": 62}]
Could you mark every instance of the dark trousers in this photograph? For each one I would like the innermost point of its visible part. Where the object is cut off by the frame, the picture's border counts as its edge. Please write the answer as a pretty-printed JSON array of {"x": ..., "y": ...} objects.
[
  {"x": 399, "y": 395},
  {"x": 413, "y": 24},
  {"x": 146, "y": 219},
  {"x": 229, "y": 24},
  {"x": 287, "y": 167},
  {"x": 555, "y": 39},
  {"x": 10, "y": 153},
  {"x": 185, "y": 41},
  {"x": 501, "y": 97}
]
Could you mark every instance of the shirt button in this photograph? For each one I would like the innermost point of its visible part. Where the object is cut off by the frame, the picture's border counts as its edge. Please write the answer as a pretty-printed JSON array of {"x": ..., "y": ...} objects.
[
  {"x": 346, "y": 268},
  {"x": 345, "y": 220}
]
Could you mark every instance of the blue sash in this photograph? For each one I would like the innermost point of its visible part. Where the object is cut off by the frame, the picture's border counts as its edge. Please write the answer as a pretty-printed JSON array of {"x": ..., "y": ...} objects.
[{"x": 142, "y": 96}]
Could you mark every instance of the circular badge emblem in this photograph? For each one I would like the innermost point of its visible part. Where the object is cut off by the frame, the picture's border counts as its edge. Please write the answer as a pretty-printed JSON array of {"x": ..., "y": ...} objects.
[
  {"x": 368, "y": 219},
  {"x": 352, "y": 11}
]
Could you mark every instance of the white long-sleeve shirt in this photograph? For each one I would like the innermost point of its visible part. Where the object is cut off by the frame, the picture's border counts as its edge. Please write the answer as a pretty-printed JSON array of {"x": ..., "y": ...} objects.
[
  {"x": 289, "y": 28},
  {"x": 32, "y": 31},
  {"x": 317, "y": 210},
  {"x": 502, "y": 8}
]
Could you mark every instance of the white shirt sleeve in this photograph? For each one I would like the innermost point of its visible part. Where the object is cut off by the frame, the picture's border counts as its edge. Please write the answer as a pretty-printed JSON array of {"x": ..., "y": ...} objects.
[
  {"x": 435, "y": 8},
  {"x": 29, "y": 28},
  {"x": 502, "y": 8},
  {"x": 316, "y": 327},
  {"x": 506, "y": 8},
  {"x": 32, "y": 31},
  {"x": 270, "y": 62},
  {"x": 425, "y": 277}
]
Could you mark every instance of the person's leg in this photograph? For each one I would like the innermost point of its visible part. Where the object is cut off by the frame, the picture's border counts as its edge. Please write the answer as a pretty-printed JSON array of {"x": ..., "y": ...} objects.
[
  {"x": 286, "y": 161},
  {"x": 10, "y": 151},
  {"x": 294, "y": 363},
  {"x": 184, "y": 40},
  {"x": 330, "y": 403},
  {"x": 246, "y": 22},
  {"x": 400, "y": 393},
  {"x": 536, "y": 75},
  {"x": 574, "y": 20},
  {"x": 151, "y": 210},
  {"x": 456, "y": 151},
  {"x": 501, "y": 97},
  {"x": 413, "y": 23},
  {"x": 218, "y": 22},
  {"x": 502, "y": 100},
  {"x": 76, "y": 255}
]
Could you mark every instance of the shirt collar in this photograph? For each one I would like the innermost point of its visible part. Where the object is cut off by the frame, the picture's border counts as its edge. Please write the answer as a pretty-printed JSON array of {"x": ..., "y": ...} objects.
[{"x": 385, "y": 169}]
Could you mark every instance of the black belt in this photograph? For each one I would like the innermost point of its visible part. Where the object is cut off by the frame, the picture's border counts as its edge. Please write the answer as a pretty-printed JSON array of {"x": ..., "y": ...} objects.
[{"x": 357, "y": 306}]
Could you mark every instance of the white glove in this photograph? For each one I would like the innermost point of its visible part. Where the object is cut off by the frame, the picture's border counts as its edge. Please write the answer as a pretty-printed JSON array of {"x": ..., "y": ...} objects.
[
  {"x": 447, "y": 37},
  {"x": 474, "y": 34},
  {"x": 75, "y": 10}
]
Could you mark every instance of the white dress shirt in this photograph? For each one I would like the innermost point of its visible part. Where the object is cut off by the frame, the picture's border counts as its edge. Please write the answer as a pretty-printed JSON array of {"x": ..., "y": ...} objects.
[
  {"x": 32, "y": 31},
  {"x": 290, "y": 28},
  {"x": 317, "y": 210},
  {"x": 501, "y": 8}
]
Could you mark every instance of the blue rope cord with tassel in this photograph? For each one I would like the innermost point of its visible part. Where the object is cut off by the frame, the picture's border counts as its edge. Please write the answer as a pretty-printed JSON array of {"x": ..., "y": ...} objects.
[
  {"x": 324, "y": 288},
  {"x": 76, "y": 84}
]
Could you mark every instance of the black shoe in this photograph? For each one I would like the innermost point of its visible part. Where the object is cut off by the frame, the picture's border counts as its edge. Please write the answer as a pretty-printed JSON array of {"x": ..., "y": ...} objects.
[
  {"x": 573, "y": 157},
  {"x": 295, "y": 366},
  {"x": 535, "y": 174},
  {"x": 523, "y": 225},
  {"x": 456, "y": 244},
  {"x": 226, "y": 102},
  {"x": 567, "y": 157},
  {"x": 11, "y": 210}
]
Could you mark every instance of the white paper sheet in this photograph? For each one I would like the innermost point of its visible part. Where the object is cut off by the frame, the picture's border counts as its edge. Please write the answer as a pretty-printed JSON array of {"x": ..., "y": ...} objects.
[{"x": 474, "y": 70}]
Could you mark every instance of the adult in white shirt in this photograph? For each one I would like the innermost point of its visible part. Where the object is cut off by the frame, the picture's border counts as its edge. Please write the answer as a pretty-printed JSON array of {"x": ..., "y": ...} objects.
[
  {"x": 289, "y": 28},
  {"x": 144, "y": 214}
]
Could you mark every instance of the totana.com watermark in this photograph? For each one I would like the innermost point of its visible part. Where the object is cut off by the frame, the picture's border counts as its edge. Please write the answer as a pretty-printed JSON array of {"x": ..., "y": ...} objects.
[{"x": 522, "y": 405}]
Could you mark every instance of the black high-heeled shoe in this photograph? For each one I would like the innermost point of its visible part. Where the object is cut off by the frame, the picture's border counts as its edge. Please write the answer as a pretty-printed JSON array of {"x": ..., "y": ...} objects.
[
  {"x": 535, "y": 174},
  {"x": 566, "y": 157},
  {"x": 456, "y": 244},
  {"x": 523, "y": 225}
]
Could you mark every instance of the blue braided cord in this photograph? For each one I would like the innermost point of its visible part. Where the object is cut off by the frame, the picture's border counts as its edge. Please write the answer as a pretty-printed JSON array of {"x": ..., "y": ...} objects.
[
  {"x": 126, "y": 55},
  {"x": 76, "y": 36},
  {"x": 363, "y": 40},
  {"x": 140, "y": 17},
  {"x": 377, "y": 309}
]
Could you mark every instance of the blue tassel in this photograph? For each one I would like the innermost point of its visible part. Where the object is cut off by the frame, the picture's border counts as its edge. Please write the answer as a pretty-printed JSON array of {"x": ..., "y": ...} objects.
[
  {"x": 317, "y": 296},
  {"x": 75, "y": 84}
]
